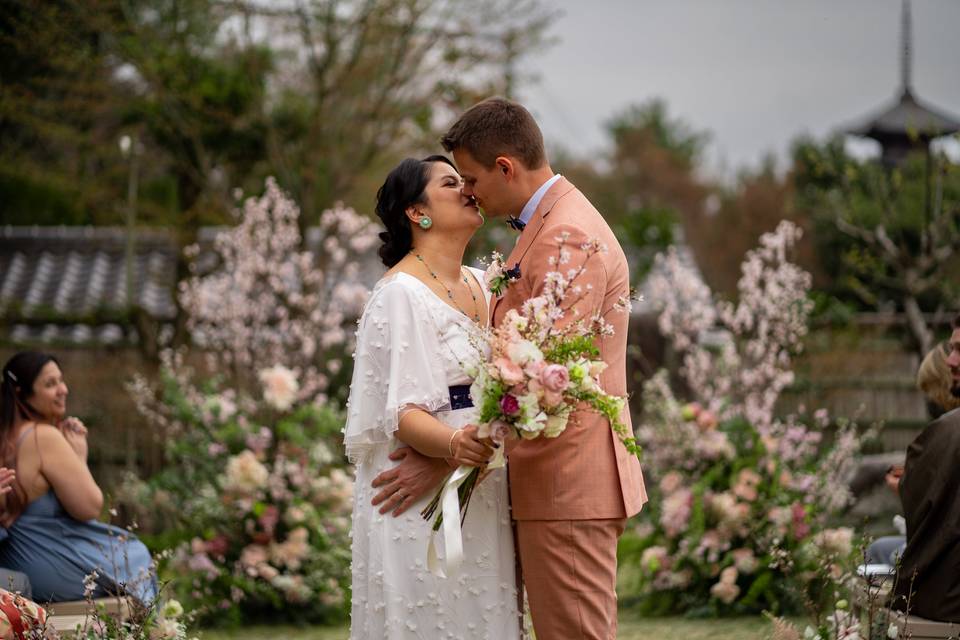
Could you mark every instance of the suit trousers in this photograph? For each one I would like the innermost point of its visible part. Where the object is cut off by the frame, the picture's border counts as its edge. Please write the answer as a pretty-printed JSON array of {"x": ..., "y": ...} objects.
[{"x": 570, "y": 573}]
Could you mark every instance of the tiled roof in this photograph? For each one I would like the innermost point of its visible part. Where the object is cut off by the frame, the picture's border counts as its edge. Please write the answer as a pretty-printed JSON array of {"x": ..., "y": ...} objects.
[{"x": 66, "y": 284}]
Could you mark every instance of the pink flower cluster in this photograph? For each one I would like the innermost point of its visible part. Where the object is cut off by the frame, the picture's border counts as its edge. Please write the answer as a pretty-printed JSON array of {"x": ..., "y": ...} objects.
[
  {"x": 738, "y": 357},
  {"x": 740, "y": 487},
  {"x": 272, "y": 506},
  {"x": 269, "y": 301}
]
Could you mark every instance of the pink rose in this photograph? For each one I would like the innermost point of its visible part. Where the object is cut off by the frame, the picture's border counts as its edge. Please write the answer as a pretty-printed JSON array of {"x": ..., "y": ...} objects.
[
  {"x": 800, "y": 527},
  {"x": 671, "y": 482},
  {"x": 555, "y": 377},
  {"x": 510, "y": 372},
  {"x": 202, "y": 562},
  {"x": 552, "y": 398},
  {"x": 509, "y": 405},
  {"x": 269, "y": 518},
  {"x": 706, "y": 420},
  {"x": 252, "y": 555},
  {"x": 534, "y": 368}
]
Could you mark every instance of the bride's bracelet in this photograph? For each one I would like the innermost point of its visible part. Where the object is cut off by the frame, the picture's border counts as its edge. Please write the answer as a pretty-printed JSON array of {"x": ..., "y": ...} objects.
[{"x": 450, "y": 444}]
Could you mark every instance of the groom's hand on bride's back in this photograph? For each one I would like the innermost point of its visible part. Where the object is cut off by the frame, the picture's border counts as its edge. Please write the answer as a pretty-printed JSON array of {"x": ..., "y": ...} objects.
[
  {"x": 403, "y": 485},
  {"x": 417, "y": 475}
]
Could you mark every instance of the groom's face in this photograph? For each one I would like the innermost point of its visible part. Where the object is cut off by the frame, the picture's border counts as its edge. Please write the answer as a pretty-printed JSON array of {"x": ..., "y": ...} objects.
[{"x": 486, "y": 185}]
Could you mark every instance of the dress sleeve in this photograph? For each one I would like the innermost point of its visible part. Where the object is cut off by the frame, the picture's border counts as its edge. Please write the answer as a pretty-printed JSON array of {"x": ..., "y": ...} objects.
[{"x": 397, "y": 365}]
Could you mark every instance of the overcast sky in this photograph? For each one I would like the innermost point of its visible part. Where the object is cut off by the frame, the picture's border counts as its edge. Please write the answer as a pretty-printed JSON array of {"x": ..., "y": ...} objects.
[{"x": 754, "y": 73}]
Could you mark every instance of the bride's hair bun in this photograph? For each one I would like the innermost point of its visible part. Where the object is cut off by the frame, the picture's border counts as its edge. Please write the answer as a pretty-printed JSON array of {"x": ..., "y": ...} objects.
[{"x": 404, "y": 186}]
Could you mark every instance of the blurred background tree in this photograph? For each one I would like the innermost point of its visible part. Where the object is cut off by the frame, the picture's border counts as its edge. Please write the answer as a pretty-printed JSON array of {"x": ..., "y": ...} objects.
[
  {"x": 647, "y": 182},
  {"x": 218, "y": 94},
  {"x": 889, "y": 237},
  {"x": 60, "y": 106},
  {"x": 327, "y": 95}
]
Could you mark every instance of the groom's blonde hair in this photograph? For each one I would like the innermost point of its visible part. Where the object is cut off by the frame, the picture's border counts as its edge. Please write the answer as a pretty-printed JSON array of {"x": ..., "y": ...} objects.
[{"x": 497, "y": 127}]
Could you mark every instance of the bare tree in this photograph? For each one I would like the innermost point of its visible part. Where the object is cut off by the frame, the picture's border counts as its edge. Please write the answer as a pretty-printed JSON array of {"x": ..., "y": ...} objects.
[
  {"x": 898, "y": 249},
  {"x": 360, "y": 80}
]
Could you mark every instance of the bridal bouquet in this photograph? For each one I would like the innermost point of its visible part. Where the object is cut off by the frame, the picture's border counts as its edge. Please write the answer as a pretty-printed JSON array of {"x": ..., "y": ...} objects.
[{"x": 543, "y": 366}]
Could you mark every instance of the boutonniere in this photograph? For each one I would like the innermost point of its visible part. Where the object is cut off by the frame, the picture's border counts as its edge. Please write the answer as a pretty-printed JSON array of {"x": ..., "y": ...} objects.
[{"x": 498, "y": 277}]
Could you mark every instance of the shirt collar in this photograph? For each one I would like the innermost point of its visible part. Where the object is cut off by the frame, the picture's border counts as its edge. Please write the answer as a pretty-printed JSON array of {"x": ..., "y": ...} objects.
[{"x": 531, "y": 207}]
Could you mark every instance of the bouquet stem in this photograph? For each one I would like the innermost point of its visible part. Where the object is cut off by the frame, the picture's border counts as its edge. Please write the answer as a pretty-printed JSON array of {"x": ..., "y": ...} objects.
[{"x": 464, "y": 491}]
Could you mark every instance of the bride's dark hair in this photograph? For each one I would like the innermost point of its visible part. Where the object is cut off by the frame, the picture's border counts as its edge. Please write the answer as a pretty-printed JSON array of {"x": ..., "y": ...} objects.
[{"x": 404, "y": 186}]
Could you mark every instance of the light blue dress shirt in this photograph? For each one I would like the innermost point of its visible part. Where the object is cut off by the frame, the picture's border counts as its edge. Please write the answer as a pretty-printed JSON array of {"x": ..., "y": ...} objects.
[{"x": 531, "y": 207}]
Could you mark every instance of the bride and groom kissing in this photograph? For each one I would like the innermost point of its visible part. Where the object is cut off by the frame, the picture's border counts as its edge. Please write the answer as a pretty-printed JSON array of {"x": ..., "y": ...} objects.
[{"x": 549, "y": 522}]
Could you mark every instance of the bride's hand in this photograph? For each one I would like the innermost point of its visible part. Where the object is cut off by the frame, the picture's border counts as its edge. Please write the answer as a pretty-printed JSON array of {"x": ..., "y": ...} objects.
[{"x": 467, "y": 449}]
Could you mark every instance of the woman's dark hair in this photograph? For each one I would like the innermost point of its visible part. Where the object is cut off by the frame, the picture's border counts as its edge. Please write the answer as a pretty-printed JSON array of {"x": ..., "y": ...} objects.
[
  {"x": 403, "y": 187},
  {"x": 19, "y": 374}
]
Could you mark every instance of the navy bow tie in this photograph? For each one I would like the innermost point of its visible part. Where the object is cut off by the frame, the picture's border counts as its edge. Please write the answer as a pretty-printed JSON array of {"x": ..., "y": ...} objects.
[{"x": 516, "y": 223}]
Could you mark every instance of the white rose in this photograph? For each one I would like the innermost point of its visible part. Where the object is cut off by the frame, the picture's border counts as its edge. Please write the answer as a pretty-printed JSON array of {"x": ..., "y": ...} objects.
[
  {"x": 529, "y": 406},
  {"x": 172, "y": 610},
  {"x": 530, "y": 429},
  {"x": 514, "y": 320},
  {"x": 835, "y": 541},
  {"x": 555, "y": 426},
  {"x": 167, "y": 630},
  {"x": 726, "y": 592},
  {"x": 524, "y": 351},
  {"x": 280, "y": 387},
  {"x": 321, "y": 454},
  {"x": 245, "y": 474}
]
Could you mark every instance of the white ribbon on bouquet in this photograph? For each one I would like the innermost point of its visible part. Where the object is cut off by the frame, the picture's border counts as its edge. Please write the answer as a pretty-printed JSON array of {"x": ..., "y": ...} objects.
[{"x": 450, "y": 508}]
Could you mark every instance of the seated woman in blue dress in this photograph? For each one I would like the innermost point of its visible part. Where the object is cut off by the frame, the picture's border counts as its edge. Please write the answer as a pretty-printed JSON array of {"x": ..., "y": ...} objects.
[{"x": 48, "y": 526}]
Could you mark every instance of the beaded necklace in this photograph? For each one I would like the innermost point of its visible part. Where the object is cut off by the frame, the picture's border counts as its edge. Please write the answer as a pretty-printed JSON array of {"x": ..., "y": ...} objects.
[{"x": 476, "y": 306}]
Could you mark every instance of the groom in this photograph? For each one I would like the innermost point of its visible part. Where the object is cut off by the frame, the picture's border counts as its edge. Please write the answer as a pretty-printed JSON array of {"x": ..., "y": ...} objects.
[{"x": 570, "y": 495}]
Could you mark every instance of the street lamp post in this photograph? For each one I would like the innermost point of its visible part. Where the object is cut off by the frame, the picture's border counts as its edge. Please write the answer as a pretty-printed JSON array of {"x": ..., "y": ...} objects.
[{"x": 129, "y": 147}]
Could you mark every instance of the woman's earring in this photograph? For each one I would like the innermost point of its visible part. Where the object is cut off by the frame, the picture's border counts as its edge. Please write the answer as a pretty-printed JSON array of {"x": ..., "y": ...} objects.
[{"x": 425, "y": 223}]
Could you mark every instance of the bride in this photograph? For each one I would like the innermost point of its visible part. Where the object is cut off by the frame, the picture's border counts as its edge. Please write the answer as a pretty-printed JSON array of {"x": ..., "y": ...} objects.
[{"x": 409, "y": 388}]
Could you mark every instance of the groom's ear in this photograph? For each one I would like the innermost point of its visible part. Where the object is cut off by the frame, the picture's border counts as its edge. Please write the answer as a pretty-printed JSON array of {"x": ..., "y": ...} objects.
[{"x": 506, "y": 167}]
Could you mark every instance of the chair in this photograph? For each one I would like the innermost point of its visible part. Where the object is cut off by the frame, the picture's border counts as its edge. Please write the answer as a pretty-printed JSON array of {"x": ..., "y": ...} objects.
[
  {"x": 917, "y": 628},
  {"x": 68, "y": 617}
]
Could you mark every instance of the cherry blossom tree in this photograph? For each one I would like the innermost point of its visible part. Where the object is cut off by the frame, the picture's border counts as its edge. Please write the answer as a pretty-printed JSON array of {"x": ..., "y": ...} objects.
[{"x": 271, "y": 302}]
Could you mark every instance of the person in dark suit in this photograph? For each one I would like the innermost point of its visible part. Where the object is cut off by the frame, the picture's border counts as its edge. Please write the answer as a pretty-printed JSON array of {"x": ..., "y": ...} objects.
[
  {"x": 935, "y": 380},
  {"x": 928, "y": 578}
]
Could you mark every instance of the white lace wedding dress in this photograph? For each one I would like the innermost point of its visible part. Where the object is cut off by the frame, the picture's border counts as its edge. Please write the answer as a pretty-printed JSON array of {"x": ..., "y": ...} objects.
[{"x": 411, "y": 347}]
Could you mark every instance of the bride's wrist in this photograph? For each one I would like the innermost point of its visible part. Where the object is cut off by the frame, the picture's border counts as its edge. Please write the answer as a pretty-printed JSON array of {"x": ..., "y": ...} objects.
[{"x": 450, "y": 444}]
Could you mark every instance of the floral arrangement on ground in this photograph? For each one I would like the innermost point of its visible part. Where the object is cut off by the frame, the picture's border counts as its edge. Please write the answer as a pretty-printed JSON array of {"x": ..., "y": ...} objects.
[
  {"x": 738, "y": 516},
  {"x": 253, "y": 507}
]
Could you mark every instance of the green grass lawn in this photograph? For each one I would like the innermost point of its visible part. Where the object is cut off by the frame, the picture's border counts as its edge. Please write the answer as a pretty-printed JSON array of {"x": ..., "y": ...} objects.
[{"x": 631, "y": 628}]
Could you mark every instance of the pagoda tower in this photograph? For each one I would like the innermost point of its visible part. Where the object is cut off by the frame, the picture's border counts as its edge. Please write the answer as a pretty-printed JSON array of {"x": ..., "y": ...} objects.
[{"x": 907, "y": 124}]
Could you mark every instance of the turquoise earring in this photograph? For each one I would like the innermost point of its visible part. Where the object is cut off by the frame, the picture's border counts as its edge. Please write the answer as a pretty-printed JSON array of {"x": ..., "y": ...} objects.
[{"x": 425, "y": 222}]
